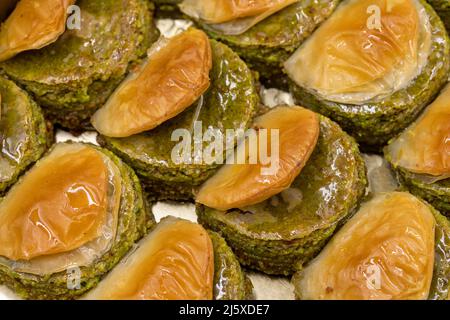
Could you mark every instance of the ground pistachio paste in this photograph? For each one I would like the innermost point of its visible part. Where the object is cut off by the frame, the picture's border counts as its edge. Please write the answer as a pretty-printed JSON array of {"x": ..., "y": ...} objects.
[
  {"x": 229, "y": 103},
  {"x": 279, "y": 235},
  {"x": 436, "y": 193},
  {"x": 373, "y": 81},
  {"x": 24, "y": 133},
  {"x": 266, "y": 45},
  {"x": 421, "y": 154},
  {"x": 73, "y": 76},
  {"x": 77, "y": 209},
  {"x": 178, "y": 260},
  {"x": 230, "y": 281},
  {"x": 386, "y": 251}
]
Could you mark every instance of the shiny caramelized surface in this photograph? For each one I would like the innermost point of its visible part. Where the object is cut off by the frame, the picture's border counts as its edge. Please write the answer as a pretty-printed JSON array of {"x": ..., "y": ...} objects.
[
  {"x": 240, "y": 185},
  {"x": 32, "y": 25},
  {"x": 17, "y": 128},
  {"x": 58, "y": 206},
  {"x": 425, "y": 146},
  {"x": 174, "y": 77},
  {"x": 174, "y": 262},
  {"x": 218, "y": 11},
  {"x": 386, "y": 251},
  {"x": 348, "y": 60}
]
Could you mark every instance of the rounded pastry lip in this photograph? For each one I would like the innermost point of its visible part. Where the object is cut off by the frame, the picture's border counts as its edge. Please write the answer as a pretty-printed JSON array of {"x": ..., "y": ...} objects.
[
  {"x": 102, "y": 48},
  {"x": 312, "y": 213},
  {"x": 419, "y": 230},
  {"x": 25, "y": 133},
  {"x": 225, "y": 105},
  {"x": 148, "y": 96}
]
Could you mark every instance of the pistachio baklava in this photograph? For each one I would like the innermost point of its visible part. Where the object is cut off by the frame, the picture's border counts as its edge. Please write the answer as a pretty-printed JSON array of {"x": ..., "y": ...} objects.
[
  {"x": 396, "y": 247},
  {"x": 68, "y": 221},
  {"x": 373, "y": 66},
  {"x": 178, "y": 260},
  {"x": 279, "y": 219},
  {"x": 421, "y": 154},
  {"x": 72, "y": 58}
]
